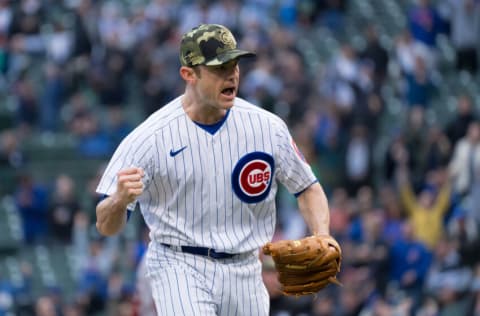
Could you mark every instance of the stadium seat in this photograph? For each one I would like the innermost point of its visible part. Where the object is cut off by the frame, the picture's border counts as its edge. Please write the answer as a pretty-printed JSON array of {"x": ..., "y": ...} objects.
[{"x": 10, "y": 226}]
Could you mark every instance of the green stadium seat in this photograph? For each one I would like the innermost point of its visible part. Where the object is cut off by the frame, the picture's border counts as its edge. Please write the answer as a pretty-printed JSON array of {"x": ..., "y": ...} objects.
[
  {"x": 50, "y": 146},
  {"x": 10, "y": 226},
  {"x": 11, "y": 270}
]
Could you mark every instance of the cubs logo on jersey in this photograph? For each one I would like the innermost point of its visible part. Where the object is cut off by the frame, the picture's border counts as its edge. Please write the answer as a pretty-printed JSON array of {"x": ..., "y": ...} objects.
[{"x": 252, "y": 177}]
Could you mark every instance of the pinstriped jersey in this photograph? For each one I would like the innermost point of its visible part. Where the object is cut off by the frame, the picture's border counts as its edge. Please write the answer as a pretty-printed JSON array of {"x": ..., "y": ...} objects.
[{"x": 215, "y": 191}]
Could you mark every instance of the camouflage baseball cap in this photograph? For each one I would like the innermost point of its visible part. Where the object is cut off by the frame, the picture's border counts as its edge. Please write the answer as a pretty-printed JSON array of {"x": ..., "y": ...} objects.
[{"x": 209, "y": 45}]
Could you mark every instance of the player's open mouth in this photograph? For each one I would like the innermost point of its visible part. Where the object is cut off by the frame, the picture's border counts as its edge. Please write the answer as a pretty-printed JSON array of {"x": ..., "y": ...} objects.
[{"x": 229, "y": 92}]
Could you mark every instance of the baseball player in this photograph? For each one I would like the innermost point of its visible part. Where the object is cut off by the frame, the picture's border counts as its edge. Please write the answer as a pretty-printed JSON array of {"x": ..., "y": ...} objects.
[{"x": 203, "y": 171}]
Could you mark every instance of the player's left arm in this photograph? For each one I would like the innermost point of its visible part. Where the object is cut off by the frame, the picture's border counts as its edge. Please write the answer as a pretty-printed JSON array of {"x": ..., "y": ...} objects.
[
  {"x": 307, "y": 265},
  {"x": 296, "y": 174},
  {"x": 313, "y": 206}
]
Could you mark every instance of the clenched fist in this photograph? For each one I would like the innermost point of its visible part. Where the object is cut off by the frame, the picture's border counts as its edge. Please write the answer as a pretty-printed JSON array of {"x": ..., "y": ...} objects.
[{"x": 129, "y": 184}]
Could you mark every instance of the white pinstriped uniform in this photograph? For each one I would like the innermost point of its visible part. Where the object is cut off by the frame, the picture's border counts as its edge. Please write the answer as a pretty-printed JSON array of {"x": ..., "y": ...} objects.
[{"x": 216, "y": 191}]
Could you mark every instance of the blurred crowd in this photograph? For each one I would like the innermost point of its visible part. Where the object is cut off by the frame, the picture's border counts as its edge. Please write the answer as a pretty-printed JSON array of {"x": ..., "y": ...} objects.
[{"x": 408, "y": 222}]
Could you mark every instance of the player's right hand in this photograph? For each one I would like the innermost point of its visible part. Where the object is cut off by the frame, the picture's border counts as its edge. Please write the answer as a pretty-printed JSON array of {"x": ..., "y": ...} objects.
[{"x": 129, "y": 184}]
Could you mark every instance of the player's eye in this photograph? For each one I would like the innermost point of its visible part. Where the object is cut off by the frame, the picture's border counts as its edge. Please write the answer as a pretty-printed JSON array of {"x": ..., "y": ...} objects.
[{"x": 225, "y": 67}]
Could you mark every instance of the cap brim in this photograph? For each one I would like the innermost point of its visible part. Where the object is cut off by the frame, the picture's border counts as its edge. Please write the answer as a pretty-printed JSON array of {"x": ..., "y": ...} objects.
[{"x": 228, "y": 56}]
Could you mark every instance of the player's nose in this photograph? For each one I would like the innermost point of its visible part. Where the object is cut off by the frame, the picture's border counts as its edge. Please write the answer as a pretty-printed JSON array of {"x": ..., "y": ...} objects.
[{"x": 231, "y": 76}]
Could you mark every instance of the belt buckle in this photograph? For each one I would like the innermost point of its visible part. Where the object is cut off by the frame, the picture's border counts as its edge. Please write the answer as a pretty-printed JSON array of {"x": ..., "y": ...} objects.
[{"x": 209, "y": 251}]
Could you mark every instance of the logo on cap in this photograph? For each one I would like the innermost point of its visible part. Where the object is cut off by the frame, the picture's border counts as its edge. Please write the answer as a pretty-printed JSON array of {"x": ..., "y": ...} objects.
[
  {"x": 227, "y": 39},
  {"x": 252, "y": 177},
  {"x": 209, "y": 44}
]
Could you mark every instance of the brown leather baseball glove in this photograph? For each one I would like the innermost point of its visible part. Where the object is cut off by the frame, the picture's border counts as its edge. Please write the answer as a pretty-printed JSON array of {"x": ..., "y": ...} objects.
[{"x": 307, "y": 265}]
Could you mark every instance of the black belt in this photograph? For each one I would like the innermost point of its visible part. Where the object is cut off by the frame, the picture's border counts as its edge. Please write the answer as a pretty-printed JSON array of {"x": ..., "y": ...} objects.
[{"x": 202, "y": 251}]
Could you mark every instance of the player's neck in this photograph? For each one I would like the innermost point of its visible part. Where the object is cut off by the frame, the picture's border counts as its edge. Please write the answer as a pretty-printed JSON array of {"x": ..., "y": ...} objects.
[{"x": 201, "y": 113}]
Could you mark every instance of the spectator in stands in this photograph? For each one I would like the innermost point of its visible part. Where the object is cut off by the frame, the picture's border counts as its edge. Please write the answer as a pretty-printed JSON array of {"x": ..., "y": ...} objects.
[
  {"x": 158, "y": 87},
  {"x": 465, "y": 32},
  {"x": 95, "y": 260},
  {"x": 119, "y": 295},
  {"x": 31, "y": 199},
  {"x": 370, "y": 254},
  {"x": 63, "y": 208},
  {"x": 448, "y": 278},
  {"x": 93, "y": 142},
  {"x": 82, "y": 31},
  {"x": 24, "y": 290},
  {"x": 376, "y": 54},
  {"x": 194, "y": 14},
  {"x": 45, "y": 306},
  {"x": 393, "y": 217},
  {"x": 6, "y": 12},
  {"x": 82, "y": 122},
  {"x": 6, "y": 294},
  {"x": 465, "y": 164},
  {"x": 27, "y": 105},
  {"x": 58, "y": 43},
  {"x": 72, "y": 309},
  {"x": 4, "y": 61},
  {"x": 420, "y": 87},
  {"x": 52, "y": 97},
  {"x": 369, "y": 104},
  {"x": 358, "y": 160},
  {"x": 426, "y": 210},
  {"x": 472, "y": 203},
  {"x": 425, "y": 22},
  {"x": 437, "y": 151},
  {"x": 407, "y": 50},
  {"x": 287, "y": 13},
  {"x": 457, "y": 127},
  {"x": 346, "y": 64},
  {"x": 395, "y": 306},
  {"x": 294, "y": 90},
  {"x": 153, "y": 66},
  {"x": 395, "y": 155},
  {"x": 262, "y": 85},
  {"x": 327, "y": 130},
  {"x": 344, "y": 72},
  {"x": 83, "y": 36},
  {"x": 332, "y": 14},
  {"x": 464, "y": 230},
  {"x": 360, "y": 215},
  {"x": 323, "y": 304},
  {"x": 340, "y": 211},
  {"x": 11, "y": 154},
  {"x": 475, "y": 289},
  {"x": 117, "y": 125},
  {"x": 354, "y": 295},
  {"x": 429, "y": 306},
  {"x": 409, "y": 261},
  {"x": 28, "y": 18},
  {"x": 108, "y": 79},
  {"x": 415, "y": 130}
]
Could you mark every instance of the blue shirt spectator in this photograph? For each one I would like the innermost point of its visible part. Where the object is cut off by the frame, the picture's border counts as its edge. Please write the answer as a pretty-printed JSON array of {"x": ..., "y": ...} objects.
[
  {"x": 409, "y": 261},
  {"x": 31, "y": 200},
  {"x": 425, "y": 22},
  {"x": 419, "y": 85}
]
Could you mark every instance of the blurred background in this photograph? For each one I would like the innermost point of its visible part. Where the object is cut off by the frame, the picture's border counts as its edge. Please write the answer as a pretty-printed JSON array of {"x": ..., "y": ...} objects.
[{"x": 381, "y": 96}]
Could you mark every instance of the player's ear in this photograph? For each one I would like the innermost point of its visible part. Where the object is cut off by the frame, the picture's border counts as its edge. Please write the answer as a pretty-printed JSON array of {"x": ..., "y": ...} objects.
[{"x": 188, "y": 74}]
